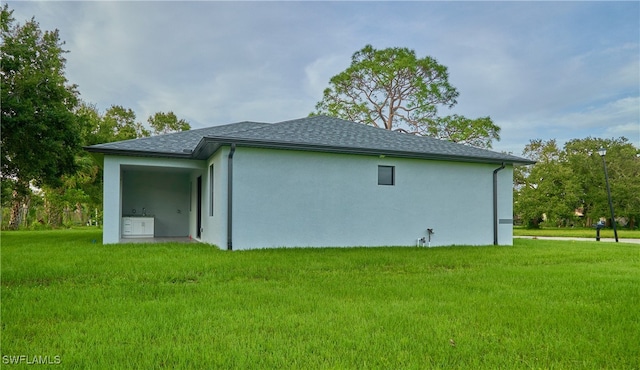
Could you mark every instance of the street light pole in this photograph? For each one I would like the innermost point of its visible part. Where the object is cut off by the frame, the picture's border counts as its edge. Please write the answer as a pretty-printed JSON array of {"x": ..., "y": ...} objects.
[{"x": 603, "y": 152}]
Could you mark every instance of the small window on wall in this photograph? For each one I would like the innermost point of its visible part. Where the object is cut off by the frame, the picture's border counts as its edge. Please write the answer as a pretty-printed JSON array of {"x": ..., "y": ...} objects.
[
  {"x": 386, "y": 175},
  {"x": 211, "y": 190}
]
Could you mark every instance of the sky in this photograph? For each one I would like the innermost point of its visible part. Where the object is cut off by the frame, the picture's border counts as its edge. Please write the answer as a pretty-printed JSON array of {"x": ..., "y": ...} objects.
[{"x": 540, "y": 70}]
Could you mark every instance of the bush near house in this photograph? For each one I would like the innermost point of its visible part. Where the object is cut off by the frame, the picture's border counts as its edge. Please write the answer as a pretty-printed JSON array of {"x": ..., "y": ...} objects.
[{"x": 538, "y": 304}]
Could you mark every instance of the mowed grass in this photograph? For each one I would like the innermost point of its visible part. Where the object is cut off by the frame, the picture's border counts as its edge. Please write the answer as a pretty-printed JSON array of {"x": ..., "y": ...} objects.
[
  {"x": 538, "y": 304},
  {"x": 576, "y": 232}
]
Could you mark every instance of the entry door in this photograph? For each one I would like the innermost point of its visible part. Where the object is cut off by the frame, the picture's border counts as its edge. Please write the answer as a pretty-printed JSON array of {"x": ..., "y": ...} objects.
[{"x": 199, "y": 207}]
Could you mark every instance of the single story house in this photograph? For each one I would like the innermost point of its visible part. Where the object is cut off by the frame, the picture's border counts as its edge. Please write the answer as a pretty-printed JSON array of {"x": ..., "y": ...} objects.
[{"x": 315, "y": 181}]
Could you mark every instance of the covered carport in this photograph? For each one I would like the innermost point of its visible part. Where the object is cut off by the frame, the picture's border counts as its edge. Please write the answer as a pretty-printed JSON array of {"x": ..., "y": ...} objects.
[
  {"x": 162, "y": 193},
  {"x": 159, "y": 189}
]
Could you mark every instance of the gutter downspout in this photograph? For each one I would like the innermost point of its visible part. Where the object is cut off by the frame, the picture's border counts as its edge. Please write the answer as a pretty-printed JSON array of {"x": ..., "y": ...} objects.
[
  {"x": 495, "y": 203},
  {"x": 230, "y": 198}
]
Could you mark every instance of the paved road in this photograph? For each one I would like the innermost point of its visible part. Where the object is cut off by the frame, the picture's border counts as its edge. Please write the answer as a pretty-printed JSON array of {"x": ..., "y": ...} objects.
[{"x": 609, "y": 240}]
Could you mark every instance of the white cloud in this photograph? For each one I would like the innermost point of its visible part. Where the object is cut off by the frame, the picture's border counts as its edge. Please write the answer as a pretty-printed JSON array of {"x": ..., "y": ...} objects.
[
  {"x": 540, "y": 70},
  {"x": 617, "y": 118},
  {"x": 623, "y": 112},
  {"x": 630, "y": 130},
  {"x": 319, "y": 72}
]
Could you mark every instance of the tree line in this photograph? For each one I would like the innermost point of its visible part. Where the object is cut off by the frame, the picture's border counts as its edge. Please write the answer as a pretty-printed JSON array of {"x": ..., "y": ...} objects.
[
  {"x": 566, "y": 187},
  {"x": 47, "y": 179}
]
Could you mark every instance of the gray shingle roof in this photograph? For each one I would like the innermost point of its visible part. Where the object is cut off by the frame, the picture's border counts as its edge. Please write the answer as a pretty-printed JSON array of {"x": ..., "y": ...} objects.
[
  {"x": 318, "y": 133},
  {"x": 175, "y": 144}
]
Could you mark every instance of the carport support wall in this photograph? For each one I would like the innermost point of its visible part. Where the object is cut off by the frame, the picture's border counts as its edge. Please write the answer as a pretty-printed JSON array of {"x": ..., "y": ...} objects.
[{"x": 112, "y": 201}]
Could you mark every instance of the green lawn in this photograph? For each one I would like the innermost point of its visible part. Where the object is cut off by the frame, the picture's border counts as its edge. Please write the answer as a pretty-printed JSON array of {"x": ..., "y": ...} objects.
[
  {"x": 576, "y": 232},
  {"x": 539, "y": 304}
]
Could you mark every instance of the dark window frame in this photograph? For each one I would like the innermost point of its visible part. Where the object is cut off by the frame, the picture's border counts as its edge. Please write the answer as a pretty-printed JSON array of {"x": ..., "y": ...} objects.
[{"x": 383, "y": 178}]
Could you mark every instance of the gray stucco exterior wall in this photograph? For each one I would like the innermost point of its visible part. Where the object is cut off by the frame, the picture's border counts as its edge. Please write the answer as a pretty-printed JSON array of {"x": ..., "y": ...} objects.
[{"x": 288, "y": 198}]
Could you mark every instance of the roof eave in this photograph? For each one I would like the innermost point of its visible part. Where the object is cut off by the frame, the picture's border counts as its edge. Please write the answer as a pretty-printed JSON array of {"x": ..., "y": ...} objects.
[
  {"x": 266, "y": 144},
  {"x": 210, "y": 144},
  {"x": 138, "y": 153}
]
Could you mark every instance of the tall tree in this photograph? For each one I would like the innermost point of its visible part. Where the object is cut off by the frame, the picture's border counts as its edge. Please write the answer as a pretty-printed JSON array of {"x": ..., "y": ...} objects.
[
  {"x": 394, "y": 89},
  {"x": 164, "y": 123},
  {"x": 40, "y": 135}
]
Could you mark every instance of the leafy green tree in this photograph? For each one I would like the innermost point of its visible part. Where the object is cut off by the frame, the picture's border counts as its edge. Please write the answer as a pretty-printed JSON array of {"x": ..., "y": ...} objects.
[
  {"x": 91, "y": 130},
  {"x": 479, "y": 132},
  {"x": 581, "y": 155},
  {"x": 394, "y": 89},
  {"x": 164, "y": 123},
  {"x": 572, "y": 179},
  {"x": 120, "y": 123},
  {"x": 40, "y": 135},
  {"x": 117, "y": 123},
  {"x": 623, "y": 167},
  {"x": 548, "y": 189},
  {"x": 82, "y": 190}
]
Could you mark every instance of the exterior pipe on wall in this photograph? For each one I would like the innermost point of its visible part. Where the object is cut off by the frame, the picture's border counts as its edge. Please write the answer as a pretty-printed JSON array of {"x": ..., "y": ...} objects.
[
  {"x": 230, "y": 198},
  {"x": 495, "y": 203}
]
